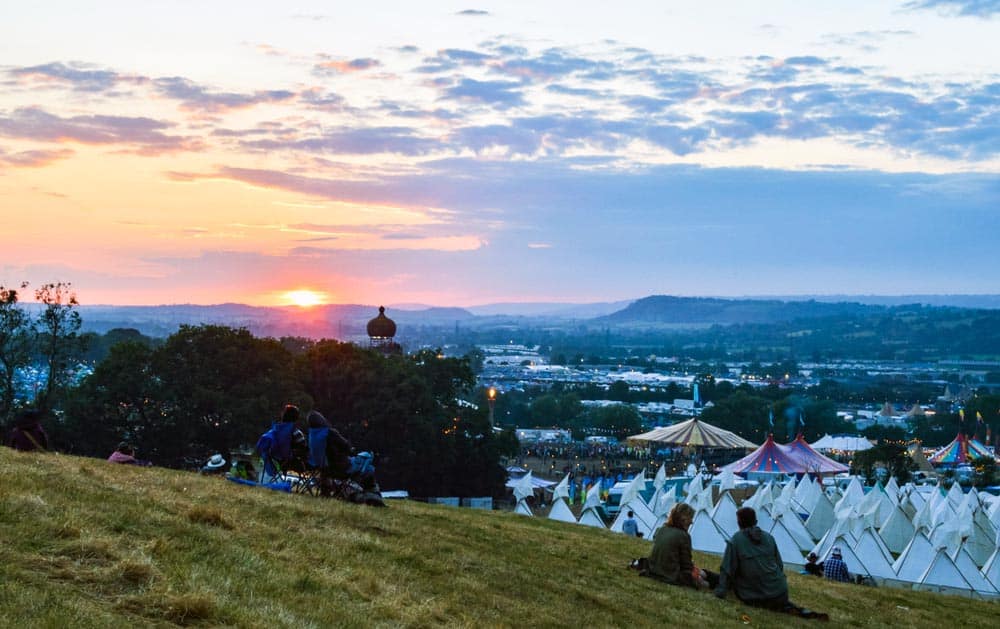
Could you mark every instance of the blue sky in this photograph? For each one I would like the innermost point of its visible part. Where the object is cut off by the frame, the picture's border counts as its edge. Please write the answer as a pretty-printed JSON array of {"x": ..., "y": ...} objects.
[{"x": 456, "y": 154}]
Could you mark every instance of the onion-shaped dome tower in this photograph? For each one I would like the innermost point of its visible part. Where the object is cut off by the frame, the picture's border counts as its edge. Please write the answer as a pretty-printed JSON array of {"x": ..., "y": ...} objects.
[{"x": 381, "y": 331}]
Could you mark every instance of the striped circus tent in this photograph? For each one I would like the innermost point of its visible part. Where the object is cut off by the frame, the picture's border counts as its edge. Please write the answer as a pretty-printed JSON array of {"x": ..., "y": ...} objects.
[
  {"x": 814, "y": 462},
  {"x": 961, "y": 450},
  {"x": 769, "y": 458},
  {"x": 696, "y": 434}
]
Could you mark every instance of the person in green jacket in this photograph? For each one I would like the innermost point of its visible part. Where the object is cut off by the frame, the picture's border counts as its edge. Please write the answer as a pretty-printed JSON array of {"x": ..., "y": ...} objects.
[
  {"x": 752, "y": 566},
  {"x": 670, "y": 560}
]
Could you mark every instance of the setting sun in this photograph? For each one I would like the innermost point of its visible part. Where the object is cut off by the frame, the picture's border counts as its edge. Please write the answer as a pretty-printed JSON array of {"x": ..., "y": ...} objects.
[{"x": 304, "y": 298}]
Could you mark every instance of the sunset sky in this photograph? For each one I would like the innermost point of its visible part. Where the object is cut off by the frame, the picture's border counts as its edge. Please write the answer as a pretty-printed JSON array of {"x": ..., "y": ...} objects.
[{"x": 464, "y": 153}]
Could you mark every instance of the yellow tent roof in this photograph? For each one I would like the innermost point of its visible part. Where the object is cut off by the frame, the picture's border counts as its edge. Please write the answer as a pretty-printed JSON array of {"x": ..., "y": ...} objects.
[{"x": 694, "y": 432}]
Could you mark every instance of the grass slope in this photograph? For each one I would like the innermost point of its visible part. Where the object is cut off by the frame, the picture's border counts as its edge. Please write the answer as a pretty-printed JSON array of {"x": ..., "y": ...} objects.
[{"x": 91, "y": 544}]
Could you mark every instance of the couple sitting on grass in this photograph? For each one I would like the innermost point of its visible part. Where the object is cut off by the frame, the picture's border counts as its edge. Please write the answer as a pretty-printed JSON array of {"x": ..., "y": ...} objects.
[{"x": 751, "y": 566}]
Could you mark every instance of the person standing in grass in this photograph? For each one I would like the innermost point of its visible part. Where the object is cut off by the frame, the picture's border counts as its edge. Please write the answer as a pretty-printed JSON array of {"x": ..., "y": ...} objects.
[
  {"x": 28, "y": 434},
  {"x": 629, "y": 526}
]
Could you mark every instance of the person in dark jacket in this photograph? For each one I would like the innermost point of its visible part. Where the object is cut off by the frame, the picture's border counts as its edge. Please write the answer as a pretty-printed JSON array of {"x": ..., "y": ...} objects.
[
  {"x": 340, "y": 459},
  {"x": 752, "y": 566},
  {"x": 28, "y": 434},
  {"x": 670, "y": 560},
  {"x": 813, "y": 567}
]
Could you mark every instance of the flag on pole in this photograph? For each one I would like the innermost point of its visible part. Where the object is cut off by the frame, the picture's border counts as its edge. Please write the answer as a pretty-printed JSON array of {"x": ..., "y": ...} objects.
[
  {"x": 979, "y": 417},
  {"x": 961, "y": 414},
  {"x": 770, "y": 419}
]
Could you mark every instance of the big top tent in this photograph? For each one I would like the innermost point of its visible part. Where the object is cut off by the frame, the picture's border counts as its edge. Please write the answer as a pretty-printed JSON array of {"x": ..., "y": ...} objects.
[
  {"x": 694, "y": 433},
  {"x": 769, "y": 458},
  {"x": 961, "y": 450},
  {"x": 814, "y": 462}
]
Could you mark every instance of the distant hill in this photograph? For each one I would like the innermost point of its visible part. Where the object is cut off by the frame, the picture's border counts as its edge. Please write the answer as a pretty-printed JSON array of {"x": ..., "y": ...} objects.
[
  {"x": 984, "y": 302},
  {"x": 347, "y": 321},
  {"x": 549, "y": 309},
  {"x": 670, "y": 310},
  {"x": 329, "y": 321}
]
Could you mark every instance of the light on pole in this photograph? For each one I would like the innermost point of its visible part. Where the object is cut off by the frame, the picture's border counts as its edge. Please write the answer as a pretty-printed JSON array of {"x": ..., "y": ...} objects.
[{"x": 491, "y": 396}]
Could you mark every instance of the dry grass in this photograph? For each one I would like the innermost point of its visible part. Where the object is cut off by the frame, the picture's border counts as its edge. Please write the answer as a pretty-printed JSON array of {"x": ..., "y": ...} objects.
[{"x": 90, "y": 544}]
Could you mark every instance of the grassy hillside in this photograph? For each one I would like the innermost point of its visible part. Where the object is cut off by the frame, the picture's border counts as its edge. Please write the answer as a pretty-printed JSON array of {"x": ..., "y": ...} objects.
[{"x": 90, "y": 544}]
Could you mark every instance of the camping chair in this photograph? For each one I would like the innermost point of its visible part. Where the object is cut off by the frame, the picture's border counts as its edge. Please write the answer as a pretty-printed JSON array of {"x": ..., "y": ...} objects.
[
  {"x": 329, "y": 482},
  {"x": 275, "y": 449}
]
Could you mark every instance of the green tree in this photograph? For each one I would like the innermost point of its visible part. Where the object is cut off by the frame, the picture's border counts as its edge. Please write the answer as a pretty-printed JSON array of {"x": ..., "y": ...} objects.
[
  {"x": 742, "y": 413},
  {"x": 545, "y": 410},
  {"x": 120, "y": 401},
  {"x": 15, "y": 325},
  {"x": 406, "y": 410},
  {"x": 221, "y": 388},
  {"x": 621, "y": 420},
  {"x": 618, "y": 391},
  {"x": 893, "y": 457},
  {"x": 57, "y": 329},
  {"x": 884, "y": 433}
]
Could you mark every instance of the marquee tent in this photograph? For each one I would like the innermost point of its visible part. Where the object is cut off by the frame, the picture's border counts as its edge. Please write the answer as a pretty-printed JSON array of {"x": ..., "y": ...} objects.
[
  {"x": 769, "y": 458},
  {"x": 842, "y": 443},
  {"x": 814, "y": 462},
  {"x": 694, "y": 433},
  {"x": 961, "y": 450}
]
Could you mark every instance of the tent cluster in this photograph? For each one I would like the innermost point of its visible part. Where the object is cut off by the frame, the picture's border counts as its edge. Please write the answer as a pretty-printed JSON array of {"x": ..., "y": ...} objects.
[{"x": 919, "y": 537}]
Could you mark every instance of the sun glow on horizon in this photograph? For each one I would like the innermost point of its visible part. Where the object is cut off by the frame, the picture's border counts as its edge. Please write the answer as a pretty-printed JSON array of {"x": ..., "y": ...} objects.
[{"x": 304, "y": 298}]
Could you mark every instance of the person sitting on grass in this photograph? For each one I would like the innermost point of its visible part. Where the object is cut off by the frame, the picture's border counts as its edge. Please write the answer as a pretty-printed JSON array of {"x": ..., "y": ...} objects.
[
  {"x": 125, "y": 455},
  {"x": 752, "y": 568},
  {"x": 28, "y": 434},
  {"x": 812, "y": 566},
  {"x": 834, "y": 567},
  {"x": 670, "y": 560}
]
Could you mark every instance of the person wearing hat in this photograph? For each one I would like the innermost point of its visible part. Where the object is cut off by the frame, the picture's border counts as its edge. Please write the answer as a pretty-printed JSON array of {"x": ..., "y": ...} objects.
[
  {"x": 834, "y": 567},
  {"x": 216, "y": 465}
]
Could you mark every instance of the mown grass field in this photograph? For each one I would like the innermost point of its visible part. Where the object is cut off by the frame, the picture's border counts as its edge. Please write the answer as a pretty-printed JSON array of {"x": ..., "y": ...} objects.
[{"x": 91, "y": 544}]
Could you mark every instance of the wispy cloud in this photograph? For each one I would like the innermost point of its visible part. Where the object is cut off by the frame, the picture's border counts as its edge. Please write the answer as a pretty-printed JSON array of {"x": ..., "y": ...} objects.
[
  {"x": 473, "y": 12},
  {"x": 33, "y": 159},
  {"x": 78, "y": 76},
  {"x": 344, "y": 66},
  {"x": 198, "y": 98},
  {"x": 142, "y": 135},
  {"x": 973, "y": 8},
  {"x": 499, "y": 94}
]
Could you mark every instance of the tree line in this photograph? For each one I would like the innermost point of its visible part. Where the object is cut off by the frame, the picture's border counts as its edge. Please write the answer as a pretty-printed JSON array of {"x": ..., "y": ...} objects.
[
  {"x": 212, "y": 389},
  {"x": 209, "y": 388}
]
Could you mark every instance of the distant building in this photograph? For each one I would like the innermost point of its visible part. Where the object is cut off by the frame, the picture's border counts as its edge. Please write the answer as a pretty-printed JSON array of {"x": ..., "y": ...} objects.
[{"x": 381, "y": 332}]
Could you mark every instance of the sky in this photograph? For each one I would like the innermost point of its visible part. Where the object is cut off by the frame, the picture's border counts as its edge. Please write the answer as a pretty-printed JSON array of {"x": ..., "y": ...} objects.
[{"x": 454, "y": 154}]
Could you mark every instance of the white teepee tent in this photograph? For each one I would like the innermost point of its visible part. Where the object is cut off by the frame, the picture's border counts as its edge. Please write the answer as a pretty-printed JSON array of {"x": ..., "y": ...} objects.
[
  {"x": 560, "y": 512},
  {"x": 705, "y": 535},
  {"x": 913, "y": 561}
]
